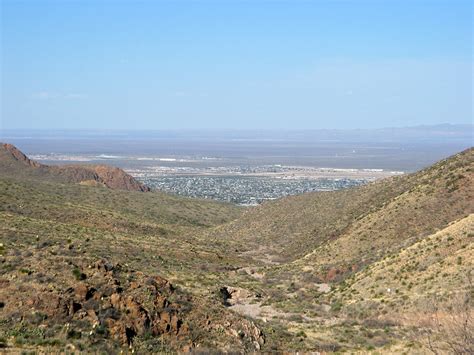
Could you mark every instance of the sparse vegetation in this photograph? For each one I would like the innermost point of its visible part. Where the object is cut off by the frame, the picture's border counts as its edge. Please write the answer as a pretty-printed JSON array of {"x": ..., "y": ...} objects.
[{"x": 344, "y": 271}]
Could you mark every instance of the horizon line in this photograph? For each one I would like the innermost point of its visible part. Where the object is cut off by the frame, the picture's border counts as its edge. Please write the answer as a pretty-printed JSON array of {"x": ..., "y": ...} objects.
[{"x": 217, "y": 129}]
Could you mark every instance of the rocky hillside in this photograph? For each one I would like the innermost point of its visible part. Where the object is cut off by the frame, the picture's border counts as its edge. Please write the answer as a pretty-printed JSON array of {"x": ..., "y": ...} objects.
[
  {"x": 14, "y": 163},
  {"x": 432, "y": 199},
  {"x": 384, "y": 268},
  {"x": 416, "y": 276},
  {"x": 84, "y": 268},
  {"x": 334, "y": 255},
  {"x": 363, "y": 221}
]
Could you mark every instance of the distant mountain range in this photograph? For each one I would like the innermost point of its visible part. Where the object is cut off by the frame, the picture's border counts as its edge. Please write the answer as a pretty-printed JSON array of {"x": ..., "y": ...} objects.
[
  {"x": 454, "y": 131},
  {"x": 404, "y": 149}
]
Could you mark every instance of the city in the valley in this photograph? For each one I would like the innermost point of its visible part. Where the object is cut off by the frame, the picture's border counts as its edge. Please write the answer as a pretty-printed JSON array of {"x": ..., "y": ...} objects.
[{"x": 229, "y": 180}]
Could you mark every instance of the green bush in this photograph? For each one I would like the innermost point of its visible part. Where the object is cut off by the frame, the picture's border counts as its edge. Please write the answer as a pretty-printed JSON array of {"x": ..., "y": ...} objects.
[{"x": 78, "y": 274}]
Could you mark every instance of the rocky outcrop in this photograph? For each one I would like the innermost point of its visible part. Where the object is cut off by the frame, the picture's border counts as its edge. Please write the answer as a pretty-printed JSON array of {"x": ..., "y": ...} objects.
[
  {"x": 14, "y": 161},
  {"x": 233, "y": 295},
  {"x": 15, "y": 154},
  {"x": 99, "y": 175},
  {"x": 123, "y": 310}
]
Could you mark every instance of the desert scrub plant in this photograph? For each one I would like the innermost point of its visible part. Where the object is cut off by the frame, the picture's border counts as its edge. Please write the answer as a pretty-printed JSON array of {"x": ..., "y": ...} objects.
[
  {"x": 25, "y": 271},
  {"x": 78, "y": 275},
  {"x": 336, "y": 306}
]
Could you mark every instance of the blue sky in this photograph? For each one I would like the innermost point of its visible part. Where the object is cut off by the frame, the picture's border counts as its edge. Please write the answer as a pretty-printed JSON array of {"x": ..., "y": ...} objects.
[{"x": 235, "y": 64}]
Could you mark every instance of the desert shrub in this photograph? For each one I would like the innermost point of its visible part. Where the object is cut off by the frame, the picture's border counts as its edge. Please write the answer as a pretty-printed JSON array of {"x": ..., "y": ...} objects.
[
  {"x": 301, "y": 334},
  {"x": 78, "y": 274},
  {"x": 336, "y": 306}
]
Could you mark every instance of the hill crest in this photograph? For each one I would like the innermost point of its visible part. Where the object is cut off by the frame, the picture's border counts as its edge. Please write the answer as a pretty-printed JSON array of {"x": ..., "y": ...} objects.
[{"x": 14, "y": 161}]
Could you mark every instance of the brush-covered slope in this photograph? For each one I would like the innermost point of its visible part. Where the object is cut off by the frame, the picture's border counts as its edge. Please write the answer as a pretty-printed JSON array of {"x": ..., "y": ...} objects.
[
  {"x": 430, "y": 270},
  {"x": 84, "y": 268},
  {"x": 435, "y": 197},
  {"x": 113, "y": 209},
  {"x": 91, "y": 268},
  {"x": 355, "y": 269},
  {"x": 359, "y": 223},
  {"x": 14, "y": 163},
  {"x": 65, "y": 287}
]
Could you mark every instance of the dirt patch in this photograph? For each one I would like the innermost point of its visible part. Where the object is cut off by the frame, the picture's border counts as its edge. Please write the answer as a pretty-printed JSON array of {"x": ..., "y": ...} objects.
[
  {"x": 246, "y": 303},
  {"x": 264, "y": 255},
  {"x": 323, "y": 287},
  {"x": 251, "y": 271}
]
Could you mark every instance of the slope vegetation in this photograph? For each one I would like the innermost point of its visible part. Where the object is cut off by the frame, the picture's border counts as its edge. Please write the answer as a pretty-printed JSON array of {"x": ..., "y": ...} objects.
[
  {"x": 431, "y": 269},
  {"x": 320, "y": 255},
  {"x": 83, "y": 267},
  {"x": 365, "y": 221},
  {"x": 435, "y": 197}
]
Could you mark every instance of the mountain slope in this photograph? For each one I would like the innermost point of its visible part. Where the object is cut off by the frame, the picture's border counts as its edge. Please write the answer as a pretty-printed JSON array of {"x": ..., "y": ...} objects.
[
  {"x": 14, "y": 163},
  {"x": 369, "y": 218},
  {"x": 88, "y": 268},
  {"x": 430, "y": 269},
  {"x": 323, "y": 242},
  {"x": 435, "y": 197},
  {"x": 350, "y": 270}
]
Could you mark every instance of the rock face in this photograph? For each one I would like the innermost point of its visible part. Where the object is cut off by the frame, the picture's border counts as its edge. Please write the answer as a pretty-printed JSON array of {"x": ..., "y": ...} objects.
[
  {"x": 120, "y": 308},
  {"x": 113, "y": 307},
  {"x": 233, "y": 295},
  {"x": 14, "y": 161},
  {"x": 19, "y": 156},
  {"x": 99, "y": 175},
  {"x": 123, "y": 309}
]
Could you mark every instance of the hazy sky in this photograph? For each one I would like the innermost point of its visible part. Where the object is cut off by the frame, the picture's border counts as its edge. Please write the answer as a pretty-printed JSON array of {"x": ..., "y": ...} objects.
[{"x": 235, "y": 64}]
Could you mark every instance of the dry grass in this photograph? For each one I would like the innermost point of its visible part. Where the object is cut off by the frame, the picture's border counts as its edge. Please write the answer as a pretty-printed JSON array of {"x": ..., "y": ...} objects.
[{"x": 384, "y": 252}]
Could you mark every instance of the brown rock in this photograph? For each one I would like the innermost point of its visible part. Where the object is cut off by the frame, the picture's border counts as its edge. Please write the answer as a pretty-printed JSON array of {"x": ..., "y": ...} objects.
[
  {"x": 184, "y": 329},
  {"x": 73, "y": 307},
  {"x": 83, "y": 292},
  {"x": 165, "y": 317},
  {"x": 100, "y": 175},
  {"x": 120, "y": 332},
  {"x": 52, "y": 305},
  {"x": 138, "y": 314},
  {"x": 92, "y": 315},
  {"x": 116, "y": 300},
  {"x": 19, "y": 156},
  {"x": 161, "y": 301},
  {"x": 134, "y": 285},
  {"x": 103, "y": 265},
  {"x": 175, "y": 323},
  {"x": 160, "y": 283}
]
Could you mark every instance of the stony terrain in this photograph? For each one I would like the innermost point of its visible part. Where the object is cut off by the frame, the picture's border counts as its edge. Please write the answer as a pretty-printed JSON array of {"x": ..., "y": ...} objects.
[{"x": 386, "y": 267}]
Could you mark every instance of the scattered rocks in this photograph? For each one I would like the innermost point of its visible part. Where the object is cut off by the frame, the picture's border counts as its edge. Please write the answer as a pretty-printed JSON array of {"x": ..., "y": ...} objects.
[
  {"x": 114, "y": 304},
  {"x": 247, "y": 331},
  {"x": 103, "y": 266},
  {"x": 53, "y": 305},
  {"x": 234, "y": 295}
]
